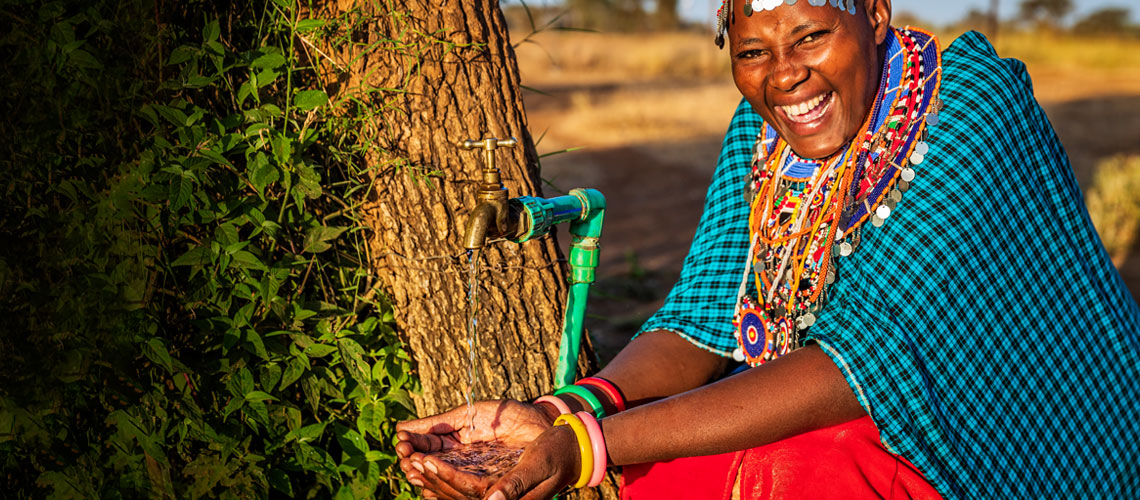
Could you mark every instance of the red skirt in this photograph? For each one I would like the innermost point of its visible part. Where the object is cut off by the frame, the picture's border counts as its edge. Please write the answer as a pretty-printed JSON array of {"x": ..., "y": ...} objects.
[{"x": 844, "y": 462}]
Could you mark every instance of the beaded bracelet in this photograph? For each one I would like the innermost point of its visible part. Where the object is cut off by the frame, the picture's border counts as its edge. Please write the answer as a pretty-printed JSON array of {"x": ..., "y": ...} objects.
[
  {"x": 598, "y": 444},
  {"x": 558, "y": 404},
  {"x": 585, "y": 394},
  {"x": 585, "y": 449},
  {"x": 611, "y": 391}
]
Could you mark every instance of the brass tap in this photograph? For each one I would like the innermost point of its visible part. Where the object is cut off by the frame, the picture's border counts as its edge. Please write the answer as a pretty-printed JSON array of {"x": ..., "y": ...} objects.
[{"x": 489, "y": 218}]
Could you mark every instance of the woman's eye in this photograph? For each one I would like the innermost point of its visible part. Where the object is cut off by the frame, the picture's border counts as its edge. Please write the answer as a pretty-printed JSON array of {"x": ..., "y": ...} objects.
[{"x": 813, "y": 37}]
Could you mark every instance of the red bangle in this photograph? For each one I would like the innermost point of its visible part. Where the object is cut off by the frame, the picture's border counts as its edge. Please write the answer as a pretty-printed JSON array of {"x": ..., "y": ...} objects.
[{"x": 611, "y": 391}]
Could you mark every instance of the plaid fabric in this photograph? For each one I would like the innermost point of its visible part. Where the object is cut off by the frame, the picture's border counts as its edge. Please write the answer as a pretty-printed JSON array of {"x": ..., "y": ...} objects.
[{"x": 983, "y": 327}]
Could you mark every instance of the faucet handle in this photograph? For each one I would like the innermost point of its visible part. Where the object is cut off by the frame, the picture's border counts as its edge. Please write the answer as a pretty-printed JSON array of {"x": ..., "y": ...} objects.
[{"x": 489, "y": 144}]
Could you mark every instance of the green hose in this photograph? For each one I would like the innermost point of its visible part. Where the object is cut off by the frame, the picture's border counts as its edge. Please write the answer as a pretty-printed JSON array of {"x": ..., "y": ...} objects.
[{"x": 584, "y": 209}]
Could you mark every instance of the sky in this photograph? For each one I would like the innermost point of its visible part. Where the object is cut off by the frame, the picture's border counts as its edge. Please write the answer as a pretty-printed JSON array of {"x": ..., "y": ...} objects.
[{"x": 935, "y": 11}]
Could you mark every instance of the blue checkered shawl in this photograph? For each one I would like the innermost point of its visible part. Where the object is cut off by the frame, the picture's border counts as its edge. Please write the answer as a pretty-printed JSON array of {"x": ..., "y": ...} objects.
[{"x": 983, "y": 327}]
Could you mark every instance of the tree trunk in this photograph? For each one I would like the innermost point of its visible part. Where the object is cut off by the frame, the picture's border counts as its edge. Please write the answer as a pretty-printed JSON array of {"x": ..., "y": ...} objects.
[
  {"x": 667, "y": 15},
  {"x": 445, "y": 71}
]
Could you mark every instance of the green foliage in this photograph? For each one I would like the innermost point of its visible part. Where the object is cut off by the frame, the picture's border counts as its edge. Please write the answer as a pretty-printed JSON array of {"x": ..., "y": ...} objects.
[
  {"x": 1108, "y": 21},
  {"x": 184, "y": 276}
]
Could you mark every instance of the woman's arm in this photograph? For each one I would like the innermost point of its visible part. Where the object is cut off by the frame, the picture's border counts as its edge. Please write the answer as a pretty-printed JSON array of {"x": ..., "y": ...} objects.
[
  {"x": 800, "y": 392},
  {"x": 653, "y": 366},
  {"x": 797, "y": 393}
]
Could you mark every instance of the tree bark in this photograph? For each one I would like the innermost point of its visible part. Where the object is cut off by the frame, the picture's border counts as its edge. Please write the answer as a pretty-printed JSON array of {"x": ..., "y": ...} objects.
[{"x": 445, "y": 71}]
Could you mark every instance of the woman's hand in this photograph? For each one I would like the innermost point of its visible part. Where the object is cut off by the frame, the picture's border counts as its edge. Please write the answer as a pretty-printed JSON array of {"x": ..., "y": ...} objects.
[
  {"x": 547, "y": 466},
  {"x": 509, "y": 423}
]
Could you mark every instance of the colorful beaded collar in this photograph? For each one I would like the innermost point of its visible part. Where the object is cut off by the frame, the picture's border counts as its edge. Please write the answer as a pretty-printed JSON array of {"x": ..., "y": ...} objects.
[{"x": 807, "y": 213}]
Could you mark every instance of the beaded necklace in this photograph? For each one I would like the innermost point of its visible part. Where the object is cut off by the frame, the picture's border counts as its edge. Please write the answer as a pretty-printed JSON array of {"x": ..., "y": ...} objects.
[{"x": 807, "y": 213}]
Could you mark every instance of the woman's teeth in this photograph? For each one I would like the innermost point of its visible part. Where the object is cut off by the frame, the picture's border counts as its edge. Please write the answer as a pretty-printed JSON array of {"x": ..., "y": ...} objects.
[{"x": 799, "y": 110}]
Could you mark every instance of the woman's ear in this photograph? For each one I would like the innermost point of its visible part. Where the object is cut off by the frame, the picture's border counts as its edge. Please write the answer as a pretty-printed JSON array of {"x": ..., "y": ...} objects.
[{"x": 879, "y": 14}]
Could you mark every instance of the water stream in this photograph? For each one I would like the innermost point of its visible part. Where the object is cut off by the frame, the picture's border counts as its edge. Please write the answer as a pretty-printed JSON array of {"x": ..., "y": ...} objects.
[{"x": 472, "y": 337}]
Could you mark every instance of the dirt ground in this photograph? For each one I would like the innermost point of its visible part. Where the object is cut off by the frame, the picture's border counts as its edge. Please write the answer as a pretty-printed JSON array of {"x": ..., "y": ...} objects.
[{"x": 651, "y": 147}]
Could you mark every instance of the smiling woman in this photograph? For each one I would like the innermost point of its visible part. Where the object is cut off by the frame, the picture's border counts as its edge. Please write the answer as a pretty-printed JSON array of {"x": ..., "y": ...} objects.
[
  {"x": 908, "y": 302},
  {"x": 810, "y": 72}
]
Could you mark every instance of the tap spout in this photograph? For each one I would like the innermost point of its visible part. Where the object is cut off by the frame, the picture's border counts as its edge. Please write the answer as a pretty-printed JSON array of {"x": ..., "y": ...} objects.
[{"x": 481, "y": 222}]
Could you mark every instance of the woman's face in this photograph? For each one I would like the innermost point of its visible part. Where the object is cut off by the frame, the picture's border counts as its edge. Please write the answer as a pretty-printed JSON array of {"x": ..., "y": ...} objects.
[{"x": 811, "y": 72}]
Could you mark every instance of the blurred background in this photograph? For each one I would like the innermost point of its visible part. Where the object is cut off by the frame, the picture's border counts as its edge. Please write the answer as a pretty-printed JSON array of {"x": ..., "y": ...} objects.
[{"x": 632, "y": 97}]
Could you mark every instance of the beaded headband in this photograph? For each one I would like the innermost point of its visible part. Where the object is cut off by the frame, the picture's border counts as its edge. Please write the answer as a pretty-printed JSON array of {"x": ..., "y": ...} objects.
[{"x": 725, "y": 12}]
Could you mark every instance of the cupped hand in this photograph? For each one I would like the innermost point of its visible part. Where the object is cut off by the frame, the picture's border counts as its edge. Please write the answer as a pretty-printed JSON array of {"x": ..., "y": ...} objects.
[
  {"x": 548, "y": 465},
  {"x": 510, "y": 423}
]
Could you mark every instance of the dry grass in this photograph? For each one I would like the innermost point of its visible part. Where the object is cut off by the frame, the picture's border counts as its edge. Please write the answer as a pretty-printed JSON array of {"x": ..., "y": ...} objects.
[
  {"x": 1114, "y": 205},
  {"x": 559, "y": 58}
]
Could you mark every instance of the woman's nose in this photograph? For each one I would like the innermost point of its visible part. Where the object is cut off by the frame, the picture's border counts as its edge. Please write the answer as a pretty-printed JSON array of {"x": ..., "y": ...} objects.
[{"x": 788, "y": 74}]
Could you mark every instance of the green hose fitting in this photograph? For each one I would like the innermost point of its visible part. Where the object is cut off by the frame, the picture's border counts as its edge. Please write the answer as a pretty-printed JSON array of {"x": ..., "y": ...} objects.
[{"x": 585, "y": 210}]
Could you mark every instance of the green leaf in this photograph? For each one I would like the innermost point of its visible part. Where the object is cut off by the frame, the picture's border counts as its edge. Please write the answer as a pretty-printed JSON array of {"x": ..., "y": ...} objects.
[
  {"x": 263, "y": 174},
  {"x": 258, "y": 396},
  {"x": 247, "y": 89},
  {"x": 215, "y": 157},
  {"x": 196, "y": 256},
  {"x": 401, "y": 397},
  {"x": 309, "y": 24},
  {"x": 282, "y": 148},
  {"x": 272, "y": 60},
  {"x": 317, "y": 238},
  {"x": 182, "y": 54},
  {"x": 307, "y": 100},
  {"x": 351, "y": 441},
  {"x": 253, "y": 340},
  {"x": 244, "y": 380},
  {"x": 270, "y": 375},
  {"x": 181, "y": 190},
  {"x": 319, "y": 350},
  {"x": 344, "y": 493},
  {"x": 307, "y": 433},
  {"x": 211, "y": 31},
  {"x": 156, "y": 352},
  {"x": 368, "y": 422},
  {"x": 353, "y": 356},
  {"x": 315, "y": 459},
  {"x": 247, "y": 260},
  {"x": 293, "y": 371},
  {"x": 279, "y": 480},
  {"x": 84, "y": 59},
  {"x": 230, "y": 339},
  {"x": 235, "y": 404},
  {"x": 173, "y": 115}
]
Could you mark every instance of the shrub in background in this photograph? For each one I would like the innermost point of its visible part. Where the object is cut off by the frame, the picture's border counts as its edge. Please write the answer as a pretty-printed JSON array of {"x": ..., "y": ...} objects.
[
  {"x": 1114, "y": 204},
  {"x": 187, "y": 307}
]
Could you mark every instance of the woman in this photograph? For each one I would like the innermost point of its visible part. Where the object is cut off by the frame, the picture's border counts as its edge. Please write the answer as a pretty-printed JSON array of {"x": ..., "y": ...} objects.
[{"x": 926, "y": 307}]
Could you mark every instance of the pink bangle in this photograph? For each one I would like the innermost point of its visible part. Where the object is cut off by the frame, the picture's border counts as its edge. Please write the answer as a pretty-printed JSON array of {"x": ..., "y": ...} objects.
[
  {"x": 558, "y": 404},
  {"x": 608, "y": 388},
  {"x": 598, "y": 443}
]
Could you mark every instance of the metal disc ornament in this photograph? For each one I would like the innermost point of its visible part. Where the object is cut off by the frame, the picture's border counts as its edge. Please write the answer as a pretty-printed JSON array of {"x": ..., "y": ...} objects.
[
  {"x": 922, "y": 148},
  {"x": 907, "y": 174}
]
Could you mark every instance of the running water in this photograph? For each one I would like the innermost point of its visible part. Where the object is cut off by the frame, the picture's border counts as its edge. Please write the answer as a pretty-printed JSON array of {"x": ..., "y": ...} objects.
[{"x": 472, "y": 340}]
